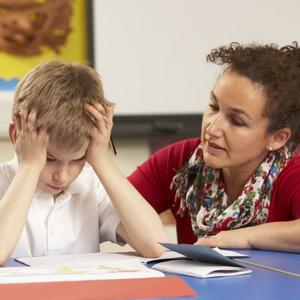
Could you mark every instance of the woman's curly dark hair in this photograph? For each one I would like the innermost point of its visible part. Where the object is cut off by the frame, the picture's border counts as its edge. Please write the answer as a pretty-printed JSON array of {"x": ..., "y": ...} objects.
[{"x": 278, "y": 70}]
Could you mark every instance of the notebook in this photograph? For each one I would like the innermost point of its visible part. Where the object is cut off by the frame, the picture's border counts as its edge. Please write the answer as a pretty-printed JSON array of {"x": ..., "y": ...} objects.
[{"x": 200, "y": 261}]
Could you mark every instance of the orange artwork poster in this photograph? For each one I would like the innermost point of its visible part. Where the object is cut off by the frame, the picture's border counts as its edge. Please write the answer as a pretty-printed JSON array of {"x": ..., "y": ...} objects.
[{"x": 34, "y": 31}]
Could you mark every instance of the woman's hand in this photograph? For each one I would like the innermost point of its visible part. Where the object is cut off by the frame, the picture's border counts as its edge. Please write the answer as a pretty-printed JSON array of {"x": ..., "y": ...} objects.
[
  {"x": 237, "y": 239},
  {"x": 100, "y": 136},
  {"x": 31, "y": 142}
]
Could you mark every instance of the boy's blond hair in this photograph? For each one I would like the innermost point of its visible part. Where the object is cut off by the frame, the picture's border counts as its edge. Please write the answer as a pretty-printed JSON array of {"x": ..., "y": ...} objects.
[{"x": 58, "y": 92}]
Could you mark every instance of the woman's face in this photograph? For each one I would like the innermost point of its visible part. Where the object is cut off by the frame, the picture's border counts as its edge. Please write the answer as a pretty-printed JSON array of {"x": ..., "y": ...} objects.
[{"x": 234, "y": 128}]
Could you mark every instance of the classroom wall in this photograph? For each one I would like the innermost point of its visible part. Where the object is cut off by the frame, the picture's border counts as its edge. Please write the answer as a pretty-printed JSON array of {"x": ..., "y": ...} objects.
[{"x": 152, "y": 53}]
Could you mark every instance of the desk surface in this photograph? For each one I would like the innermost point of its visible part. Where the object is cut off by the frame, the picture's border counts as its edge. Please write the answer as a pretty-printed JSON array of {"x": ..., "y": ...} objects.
[
  {"x": 260, "y": 284},
  {"x": 281, "y": 260}
]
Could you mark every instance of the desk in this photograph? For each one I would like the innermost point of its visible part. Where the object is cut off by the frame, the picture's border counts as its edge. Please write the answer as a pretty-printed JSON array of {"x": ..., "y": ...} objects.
[
  {"x": 281, "y": 260},
  {"x": 260, "y": 284}
]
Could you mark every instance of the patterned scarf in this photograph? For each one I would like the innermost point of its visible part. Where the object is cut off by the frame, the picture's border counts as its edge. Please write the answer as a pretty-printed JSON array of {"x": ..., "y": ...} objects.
[{"x": 201, "y": 190}]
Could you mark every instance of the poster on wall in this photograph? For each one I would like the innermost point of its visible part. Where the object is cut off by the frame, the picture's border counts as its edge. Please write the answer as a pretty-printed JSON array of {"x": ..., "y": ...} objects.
[{"x": 34, "y": 31}]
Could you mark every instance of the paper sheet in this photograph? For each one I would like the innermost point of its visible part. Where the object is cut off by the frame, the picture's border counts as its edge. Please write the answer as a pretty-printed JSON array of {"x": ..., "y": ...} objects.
[
  {"x": 117, "y": 269},
  {"x": 93, "y": 258},
  {"x": 199, "y": 269},
  {"x": 229, "y": 253},
  {"x": 74, "y": 259}
]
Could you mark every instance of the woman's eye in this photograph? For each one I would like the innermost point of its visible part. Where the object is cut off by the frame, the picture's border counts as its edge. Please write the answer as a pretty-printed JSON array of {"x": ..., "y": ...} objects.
[
  {"x": 237, "y": 122},
  {"x": 214, "y": 107}
]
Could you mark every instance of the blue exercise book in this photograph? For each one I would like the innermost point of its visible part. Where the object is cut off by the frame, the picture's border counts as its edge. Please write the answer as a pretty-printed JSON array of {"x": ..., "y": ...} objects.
[
  {"x": 202, "y": 253},
  {"x": 200, "y": 261}
]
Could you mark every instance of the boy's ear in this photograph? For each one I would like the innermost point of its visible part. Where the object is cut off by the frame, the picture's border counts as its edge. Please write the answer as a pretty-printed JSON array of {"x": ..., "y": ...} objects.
[
  {"x": 12, "y": 132},
  {"x": 280, "y": 138}
]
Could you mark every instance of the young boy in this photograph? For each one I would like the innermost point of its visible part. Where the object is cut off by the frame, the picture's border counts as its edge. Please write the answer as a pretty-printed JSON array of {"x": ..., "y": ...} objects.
[{"x": 52, "y": 202}]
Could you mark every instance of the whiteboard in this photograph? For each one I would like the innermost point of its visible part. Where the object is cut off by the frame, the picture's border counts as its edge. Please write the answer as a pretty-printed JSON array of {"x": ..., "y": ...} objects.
[{"x": 151, "y": 54}]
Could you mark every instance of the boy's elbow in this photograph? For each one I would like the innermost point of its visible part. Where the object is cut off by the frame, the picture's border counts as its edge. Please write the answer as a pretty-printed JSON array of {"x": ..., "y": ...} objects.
[
  {"x": 4, "y": 256},
  {"x": 153, "y": 251},
  {"x": 153, "y": 248}
]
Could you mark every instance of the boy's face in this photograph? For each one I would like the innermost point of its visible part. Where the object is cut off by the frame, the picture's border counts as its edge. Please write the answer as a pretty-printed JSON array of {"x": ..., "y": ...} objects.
[{"x": 61, "y": 169}]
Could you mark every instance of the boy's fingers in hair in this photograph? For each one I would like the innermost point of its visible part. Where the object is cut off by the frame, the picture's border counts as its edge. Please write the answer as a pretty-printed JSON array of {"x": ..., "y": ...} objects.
[
  {"x": 17, "y": 120},
  {"x": 107, "y": 122},
  {"x": 95, "y": 113},
  {"x": 23, "y": 117},
  {"x": 96, "y": 107},
  {"x": 90, "y": 109},
  {"x": 43, "y": 129},
  {"x": 43, "y": 133},
  {"x": 99, "y": 107},
  {"x": 31, "y": 119},
  {"x": 101, "y": 123},
  {"x": 110, "y": 109},
  {"x": 110, "y": 113}
]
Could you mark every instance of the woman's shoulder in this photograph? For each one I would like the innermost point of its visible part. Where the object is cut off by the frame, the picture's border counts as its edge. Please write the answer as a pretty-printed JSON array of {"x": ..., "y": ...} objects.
[
  {"x": 285, "y": 193},
  {"x": 291, "y": 173},
  {"x": 293, "y": 165},
  {"x": 190, "y": 143},
  {"x": 173, "y": 155},
  {"x": 168, "y": 159}
]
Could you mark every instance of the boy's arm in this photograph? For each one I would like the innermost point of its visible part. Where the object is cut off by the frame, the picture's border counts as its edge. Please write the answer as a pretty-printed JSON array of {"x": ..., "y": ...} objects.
[
  {"x": 14, "y": 207},
  {"x": 31, "y": 146},
  {"x": 140, "y": 224}
]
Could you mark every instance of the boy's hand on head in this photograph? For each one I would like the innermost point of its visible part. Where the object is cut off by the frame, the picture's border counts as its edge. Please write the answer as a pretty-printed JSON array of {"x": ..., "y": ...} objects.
[
  {"x": 100, "y": 136},
  {"x": 31, "y": 142}
]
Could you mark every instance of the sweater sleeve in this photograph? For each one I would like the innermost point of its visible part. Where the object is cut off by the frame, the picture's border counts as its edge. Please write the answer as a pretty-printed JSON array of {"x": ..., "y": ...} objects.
[{"x": 285, "y": 200}]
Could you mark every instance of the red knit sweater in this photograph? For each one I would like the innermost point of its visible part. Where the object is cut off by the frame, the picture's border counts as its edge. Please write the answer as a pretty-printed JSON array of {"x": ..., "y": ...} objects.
[{"x": 153, "y": 178}]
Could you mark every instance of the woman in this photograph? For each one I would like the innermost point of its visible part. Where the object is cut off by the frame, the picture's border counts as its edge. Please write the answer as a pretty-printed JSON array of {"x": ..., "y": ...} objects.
[{"x": 237, "y": 187}]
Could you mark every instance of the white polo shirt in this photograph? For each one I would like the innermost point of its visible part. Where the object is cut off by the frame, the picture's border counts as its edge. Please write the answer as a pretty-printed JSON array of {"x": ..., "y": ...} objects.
[{"x": 76, "y": 222}]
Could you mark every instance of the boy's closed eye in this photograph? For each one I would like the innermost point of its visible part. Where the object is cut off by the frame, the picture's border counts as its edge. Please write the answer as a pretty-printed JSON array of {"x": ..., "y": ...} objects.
[
  {"x": 51, "y": 159},
  {"x": 79, "y": 159}
]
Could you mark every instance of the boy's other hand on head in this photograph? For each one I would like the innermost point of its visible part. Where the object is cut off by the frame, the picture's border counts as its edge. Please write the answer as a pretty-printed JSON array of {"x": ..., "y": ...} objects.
[
  {"x": 31, "y": 142},
  {"x": 100, "y": 136}
]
